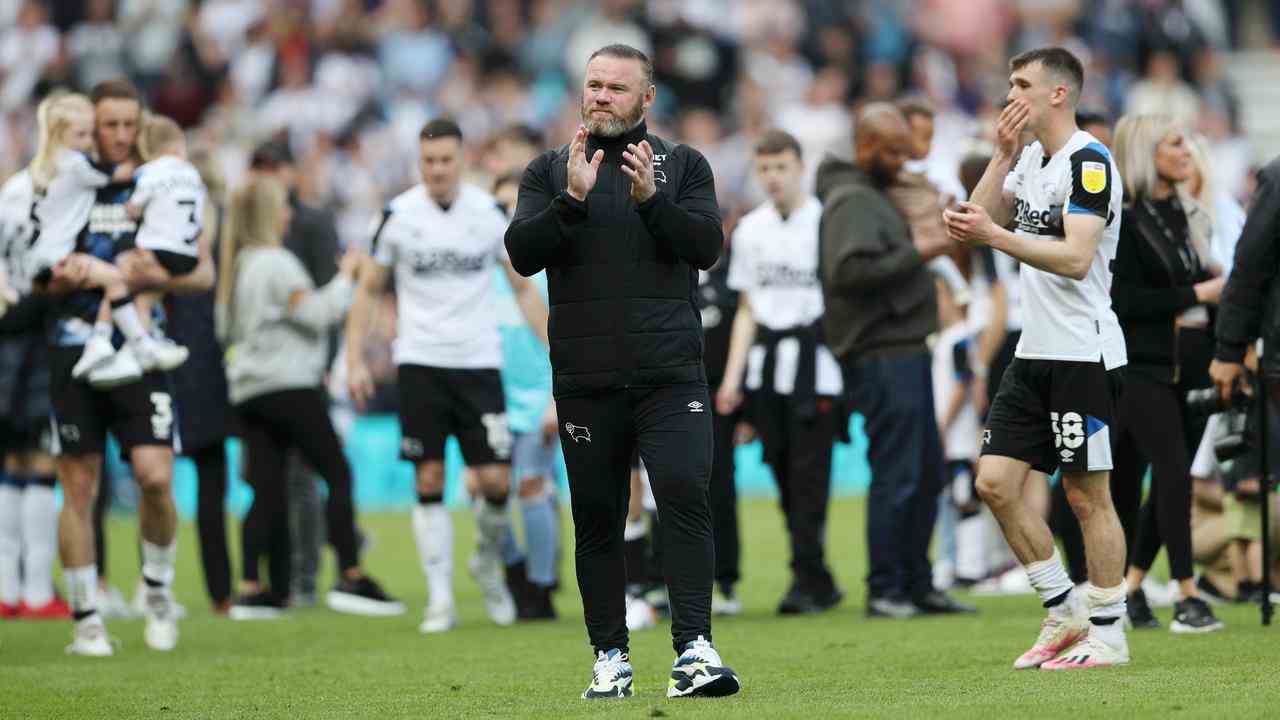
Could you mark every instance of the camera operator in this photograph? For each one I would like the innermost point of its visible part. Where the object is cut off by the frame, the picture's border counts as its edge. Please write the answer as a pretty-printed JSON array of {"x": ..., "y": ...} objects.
[{"x": 1164, "y": 279}]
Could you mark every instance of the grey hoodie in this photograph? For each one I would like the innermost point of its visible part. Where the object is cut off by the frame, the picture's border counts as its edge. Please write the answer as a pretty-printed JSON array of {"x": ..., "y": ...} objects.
[{"x": 880, "y": 297}]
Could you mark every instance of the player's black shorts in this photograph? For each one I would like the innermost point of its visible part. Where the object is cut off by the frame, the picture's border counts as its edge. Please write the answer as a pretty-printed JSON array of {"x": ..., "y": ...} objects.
[
  {"x": 468, "y": 404},
  {"x": 140, "y": 413},
  {"x": 176, "y": 263},
  {"x": 1055, "y": 414}
]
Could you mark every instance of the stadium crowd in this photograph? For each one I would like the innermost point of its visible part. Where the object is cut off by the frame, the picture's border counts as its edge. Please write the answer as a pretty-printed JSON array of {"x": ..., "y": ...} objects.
[{"x": 307, "y": 121}]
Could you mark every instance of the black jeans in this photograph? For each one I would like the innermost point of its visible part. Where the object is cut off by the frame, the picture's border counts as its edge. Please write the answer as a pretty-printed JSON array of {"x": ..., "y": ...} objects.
[
  {"x": 672, "y": 428},
  {"x": 895, "y": 396},
  {"x": 724, "y": 503},
  {"x": 1154, "y": 429},
  {"x": 798, "y": 451},
  {"x": 211, "y": 519},
  {"x": 271, "y": 425}
]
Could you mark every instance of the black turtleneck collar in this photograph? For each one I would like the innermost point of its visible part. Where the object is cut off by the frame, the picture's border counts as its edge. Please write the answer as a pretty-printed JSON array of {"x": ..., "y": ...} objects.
[{"x": 614, "y": 147}]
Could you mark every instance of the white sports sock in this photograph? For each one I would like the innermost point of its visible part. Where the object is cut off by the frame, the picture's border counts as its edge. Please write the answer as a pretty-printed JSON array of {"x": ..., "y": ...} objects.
[
  {"x": 433, "y": 532},
  {"x": 158, "y": 563},
  {"x": 126, "y": 318},
  {"x": 82, "y": 588},
  {"x": 492, "y": 522},
  {"x": 103, "y": 329},
  {"x": 971, "y": 556},
  {"x": 10, "y": 543},
  {"x": 1051, "y": 582},
  {"x": 634, "y": 530},
  {"x": 39, "y": 543},
  {"x": 1107, "y": 608}
]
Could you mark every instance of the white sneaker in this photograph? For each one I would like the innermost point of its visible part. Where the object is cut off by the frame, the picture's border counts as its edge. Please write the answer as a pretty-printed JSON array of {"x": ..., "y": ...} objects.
[
  {"x": 699, "y": 672},
  {"x": 640, "y": 614},
  {"x": 1090, "y": 652},
  {"x": 139, "y": 603},
  {"x": 1056, "y": 635},
  {"x": 722, "y": 604},
  {"x": 611, "y": 676},
  {"x": 438, "y": 620},
  {"x": 162, "y": 624},
  {"x": 159, "y": 353},
  {"x": 113, "y": 606},
  {"x": 486, "y": 568},
  {"x": 90, "y": 639},
  {"x": 121, "y": 369},
  {"x": 97, "y": 352}
]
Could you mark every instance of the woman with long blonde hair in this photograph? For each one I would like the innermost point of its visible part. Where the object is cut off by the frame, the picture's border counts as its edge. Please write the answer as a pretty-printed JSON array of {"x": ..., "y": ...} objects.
[
  {"x": 275, "y": 326},
  {"x": 1164, "y": 286}
]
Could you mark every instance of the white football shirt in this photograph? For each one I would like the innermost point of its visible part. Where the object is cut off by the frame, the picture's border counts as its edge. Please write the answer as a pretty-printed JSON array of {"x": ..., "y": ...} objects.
[
  {"x": 17, "y": 196},
  {"x": 1062, "y": 318},
  {"x": 172, "y": 195},
  {"x": 444, "y": 262},
  {"x": 952, "y": 366},
  {"x": 62, "y": 210},
  {"x": 775, "y": 261}
]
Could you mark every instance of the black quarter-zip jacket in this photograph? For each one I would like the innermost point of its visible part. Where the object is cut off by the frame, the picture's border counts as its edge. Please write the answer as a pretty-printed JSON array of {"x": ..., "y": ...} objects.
[{"x": 621, "y": 278}]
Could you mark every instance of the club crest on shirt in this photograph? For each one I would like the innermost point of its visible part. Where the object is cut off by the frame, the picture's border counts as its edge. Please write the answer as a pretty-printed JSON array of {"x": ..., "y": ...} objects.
[{"x": 1093, "y": 176}]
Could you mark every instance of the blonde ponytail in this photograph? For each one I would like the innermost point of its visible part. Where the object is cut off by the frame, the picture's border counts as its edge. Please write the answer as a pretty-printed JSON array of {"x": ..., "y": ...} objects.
[{"x": 53, "y": 117}]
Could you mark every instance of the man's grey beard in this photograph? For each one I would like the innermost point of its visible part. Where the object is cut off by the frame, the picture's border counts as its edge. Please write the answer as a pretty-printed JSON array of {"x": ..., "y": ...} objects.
[{"x": 614, "y": 126}]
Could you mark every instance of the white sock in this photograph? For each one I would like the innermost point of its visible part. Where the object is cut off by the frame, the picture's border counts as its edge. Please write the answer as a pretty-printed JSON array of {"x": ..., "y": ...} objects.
[
  {"x": 82, "y": 588},
  {"x": 1051, "y": 582},
  {"x": 971, "y": 556},
  {"x": 492, "y": 522},
  {"x": 158, "y": 564},
  {"x": 433, "y": 532},
  {"x": 1107, "y": 608},
  {"x": 634, "y": 530},
  {"x": 39, "y": 543},
  {"x": 10, "y": 543},
  {"x": 103, "y": 329},
  {"x": 126, "y": 318}
]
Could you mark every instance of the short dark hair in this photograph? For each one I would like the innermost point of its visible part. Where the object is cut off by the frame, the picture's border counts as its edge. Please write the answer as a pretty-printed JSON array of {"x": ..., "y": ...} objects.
[
  {"x": 914, "y": 105},
  {"x": 626, "y": 52},
  {"x": 440, "y": 128},
  {"x": 271, "y": 155},
  {"x": 526, "y": 134},
  {"x": 511, "y": 177},
  {"x": 775, "y": 141},
  {"x": 117, "y": 89},
  {"x": 1056, "y": 60},
  {"x": 1088, "y": 117}
]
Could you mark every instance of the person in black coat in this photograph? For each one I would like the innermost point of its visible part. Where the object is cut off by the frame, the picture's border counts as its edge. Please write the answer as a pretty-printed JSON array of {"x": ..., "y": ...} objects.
[
  {"x": 622, "y": 220},
  {"x": 1163, "y": 288}
]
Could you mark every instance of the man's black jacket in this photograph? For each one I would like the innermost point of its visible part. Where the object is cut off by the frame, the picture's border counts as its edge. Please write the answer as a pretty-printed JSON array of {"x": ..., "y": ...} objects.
[
  {"x": 1247, "y": 299},
  {"x": 621, "y": 277}
]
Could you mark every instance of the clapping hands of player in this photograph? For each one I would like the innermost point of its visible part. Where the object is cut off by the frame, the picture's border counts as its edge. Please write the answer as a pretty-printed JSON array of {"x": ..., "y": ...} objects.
[
  {"x": 639, "y": 167},
  {"x": 582, "y": 173},
  {"x": 969, "y": 223}
]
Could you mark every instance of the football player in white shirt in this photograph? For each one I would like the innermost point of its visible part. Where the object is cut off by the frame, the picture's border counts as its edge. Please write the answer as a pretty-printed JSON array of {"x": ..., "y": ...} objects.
[
  {"x": 793, "y": 380},
  {"x": 442, "y": 239},
  {"x": 1056, "y": 402}
]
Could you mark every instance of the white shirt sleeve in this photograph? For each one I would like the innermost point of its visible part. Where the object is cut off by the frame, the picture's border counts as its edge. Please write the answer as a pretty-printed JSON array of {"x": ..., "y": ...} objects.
[
  {"x": 740, "y": 262},
  {"x": 144, "y": 189},
  {"x": 78, "y": 168},
  {"x": 384, "y": 243}
]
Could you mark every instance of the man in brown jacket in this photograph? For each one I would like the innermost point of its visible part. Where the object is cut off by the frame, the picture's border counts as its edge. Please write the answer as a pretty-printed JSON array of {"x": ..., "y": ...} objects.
[{"x": 880, "y": 307}]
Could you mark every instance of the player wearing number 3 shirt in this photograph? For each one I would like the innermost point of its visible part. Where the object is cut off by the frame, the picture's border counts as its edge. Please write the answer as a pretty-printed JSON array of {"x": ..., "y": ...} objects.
[{"x": 1058, "y": 200}]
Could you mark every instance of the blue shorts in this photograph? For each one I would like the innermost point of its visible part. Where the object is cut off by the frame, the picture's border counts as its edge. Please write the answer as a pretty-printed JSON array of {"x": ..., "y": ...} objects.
[{"x": 530, "y": 457}]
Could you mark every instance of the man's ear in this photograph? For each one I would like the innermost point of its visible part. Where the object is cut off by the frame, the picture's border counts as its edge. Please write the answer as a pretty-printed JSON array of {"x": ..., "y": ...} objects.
[{"x": 649, "y": 96}]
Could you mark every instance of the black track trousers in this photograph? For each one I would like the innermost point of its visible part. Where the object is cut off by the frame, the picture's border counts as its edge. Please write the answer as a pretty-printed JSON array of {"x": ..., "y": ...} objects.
[{"x": 672, "y": 428}]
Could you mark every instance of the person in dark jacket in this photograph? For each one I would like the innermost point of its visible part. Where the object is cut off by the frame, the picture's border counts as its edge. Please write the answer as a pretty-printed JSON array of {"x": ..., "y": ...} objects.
[
  {"x": 1164, "y": 281},
  {"x": 622, "y": 221},
  {"x": 880, "y": 306}
]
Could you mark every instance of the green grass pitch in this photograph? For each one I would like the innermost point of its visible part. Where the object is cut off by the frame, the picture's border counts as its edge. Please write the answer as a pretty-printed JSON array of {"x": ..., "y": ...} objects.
[{"x": 317, "y": 664}]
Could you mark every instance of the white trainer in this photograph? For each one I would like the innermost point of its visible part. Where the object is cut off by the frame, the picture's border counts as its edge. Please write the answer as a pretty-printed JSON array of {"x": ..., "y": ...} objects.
[
  {"x": 161, "y": 632},
  {"x": 438, "y": 620},
  {"x": 1056, "y": 635},
  {"x": 98, "y": 351},
  {"x": 139, "y": 603},
  {"x": 699, "y": 672},
  {"x": 1091, "y": 652},
  {"x": 121, "y": 369},
  {"x": 486, "y": 568},
  {"x": 611, "y": 677},
  {"x": 159, "y": 353},
  {"x": 90, "y": 639}
]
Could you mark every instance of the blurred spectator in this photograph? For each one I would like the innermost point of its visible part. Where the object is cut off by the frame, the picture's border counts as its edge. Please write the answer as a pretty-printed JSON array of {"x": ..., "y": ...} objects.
[
  {"x": 26, "y": 49},
  {"x": 1162, "y": 90},
  {"x": 95, "y": 46}
]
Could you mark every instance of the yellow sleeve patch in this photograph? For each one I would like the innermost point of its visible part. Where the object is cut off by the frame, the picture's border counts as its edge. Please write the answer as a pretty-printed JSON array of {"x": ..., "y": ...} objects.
[{"x": 1093, "y": 177}]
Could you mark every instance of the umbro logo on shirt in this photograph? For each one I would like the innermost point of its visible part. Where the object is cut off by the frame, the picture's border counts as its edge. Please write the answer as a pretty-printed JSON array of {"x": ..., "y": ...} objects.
[{"x": 695, "y": 406}]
